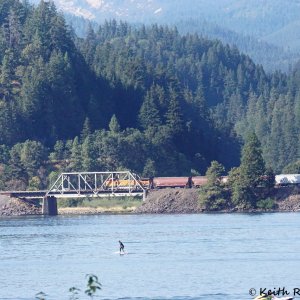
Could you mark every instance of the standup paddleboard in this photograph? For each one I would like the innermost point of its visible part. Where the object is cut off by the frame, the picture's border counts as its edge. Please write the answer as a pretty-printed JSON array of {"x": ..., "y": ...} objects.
[{"x": 122, "y": 253}]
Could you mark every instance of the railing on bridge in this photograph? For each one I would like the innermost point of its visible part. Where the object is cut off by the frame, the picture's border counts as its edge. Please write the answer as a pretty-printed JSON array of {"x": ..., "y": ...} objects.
[{"x": 96, "y": 184}]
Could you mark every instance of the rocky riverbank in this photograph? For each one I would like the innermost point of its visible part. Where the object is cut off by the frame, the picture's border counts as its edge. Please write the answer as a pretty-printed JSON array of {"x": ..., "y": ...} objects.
[
  {"x": 177, "y": 201},
  {"x": 17, "y": 207}
]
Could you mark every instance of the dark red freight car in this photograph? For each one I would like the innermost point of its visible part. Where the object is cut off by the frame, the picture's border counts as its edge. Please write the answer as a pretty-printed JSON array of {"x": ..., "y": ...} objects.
[
  {"x": 198, "y": 181},
  {"x": 172, "y": 182}
]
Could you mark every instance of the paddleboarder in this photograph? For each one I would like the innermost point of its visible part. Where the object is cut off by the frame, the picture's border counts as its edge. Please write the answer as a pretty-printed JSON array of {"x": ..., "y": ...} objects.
[{"x": 121, "y": 247}]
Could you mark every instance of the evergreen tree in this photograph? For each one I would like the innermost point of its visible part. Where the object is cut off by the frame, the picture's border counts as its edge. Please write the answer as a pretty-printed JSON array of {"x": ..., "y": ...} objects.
[
  {"x": 59, "y": 151},
  {"x": 214, "y": 173},
  {"x": 250, "y": 174},
  {"x": 114, "y": 125},
  {"x": 149, "y": 169},
  {"x": 88, "y": 155},
  {"x": 149, "y": 114},
  {"x": 174, "y": 117},
  {"x": 252, "y": 163},
  {"x": 212, "y": 195},
  {"x": 76, "y": 160},
  {"x": 86, "y": 129}
]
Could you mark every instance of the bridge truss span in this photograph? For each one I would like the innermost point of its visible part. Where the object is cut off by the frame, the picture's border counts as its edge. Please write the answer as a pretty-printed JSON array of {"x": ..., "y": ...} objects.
[{"x": 97, "y": 184}]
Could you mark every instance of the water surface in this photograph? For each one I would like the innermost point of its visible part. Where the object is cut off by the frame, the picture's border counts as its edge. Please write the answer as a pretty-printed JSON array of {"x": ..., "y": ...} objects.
[{"x": 206, "y": 256}]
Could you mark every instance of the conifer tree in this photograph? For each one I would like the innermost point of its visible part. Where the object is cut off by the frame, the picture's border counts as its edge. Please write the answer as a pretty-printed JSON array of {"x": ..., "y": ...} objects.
[
  {"x": 76, "y": 161},
  {"x": 87, "y": 155},
  {"x": 149, "y": 114},
  {"x": 212, "y": 195},
  {"x": 245, "y": 179},
  {"x": 86, "y": 129},
  {"x": 252, "y": 163},
  {"x": 114, "y": 125},
  {"x": 174, "y": 117},
  {"x": 214, "y": 173}
]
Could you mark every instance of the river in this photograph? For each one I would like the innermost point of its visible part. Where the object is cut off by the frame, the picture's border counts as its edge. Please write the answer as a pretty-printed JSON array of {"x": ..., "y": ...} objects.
[{"x": 205, "y": 256}]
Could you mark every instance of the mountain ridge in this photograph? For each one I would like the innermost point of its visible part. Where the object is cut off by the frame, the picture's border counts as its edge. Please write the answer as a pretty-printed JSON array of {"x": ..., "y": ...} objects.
[{"x": 266, "y": 26}]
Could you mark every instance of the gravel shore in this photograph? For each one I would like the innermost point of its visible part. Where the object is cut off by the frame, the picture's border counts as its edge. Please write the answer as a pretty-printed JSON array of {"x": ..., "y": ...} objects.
[{"x": 94, "y": 211}]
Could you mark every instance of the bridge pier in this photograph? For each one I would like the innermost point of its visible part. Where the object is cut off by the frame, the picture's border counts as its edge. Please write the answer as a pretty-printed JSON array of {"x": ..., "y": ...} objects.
[{"x": 49, "y": 207}]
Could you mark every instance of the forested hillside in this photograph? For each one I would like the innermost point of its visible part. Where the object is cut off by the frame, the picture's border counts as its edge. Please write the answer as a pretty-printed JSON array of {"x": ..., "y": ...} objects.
[
  {"x": 147, "y": 99},
  {"x": 265, "y": 30},
  {"x": 273, "y": 56}
]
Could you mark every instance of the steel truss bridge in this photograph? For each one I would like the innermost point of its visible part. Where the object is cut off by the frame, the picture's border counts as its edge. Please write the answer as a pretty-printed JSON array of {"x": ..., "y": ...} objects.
[
  {"x": 86, "y": 184},
  {"x": 96, "y": 184}
]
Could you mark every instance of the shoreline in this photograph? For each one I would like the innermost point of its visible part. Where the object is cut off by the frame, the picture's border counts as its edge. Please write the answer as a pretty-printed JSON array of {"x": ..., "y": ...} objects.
[
  {"x": 101, "y": 211},
  {"x": 166, "y": 201},
  {"x": 89, "y": 211}
]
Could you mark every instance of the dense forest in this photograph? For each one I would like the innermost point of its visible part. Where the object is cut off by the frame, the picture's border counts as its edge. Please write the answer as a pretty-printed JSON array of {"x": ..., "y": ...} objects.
[
  {"x": 146, "y": 99},
  {"x": 273, "y": 56},
  {"x": 270, "y": 56}
]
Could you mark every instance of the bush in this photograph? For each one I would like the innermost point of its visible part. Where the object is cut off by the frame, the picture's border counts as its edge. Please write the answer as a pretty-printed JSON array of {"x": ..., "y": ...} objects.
[
  {"x": 214, "y": 198},
  {"x": 267, "y": 203}
]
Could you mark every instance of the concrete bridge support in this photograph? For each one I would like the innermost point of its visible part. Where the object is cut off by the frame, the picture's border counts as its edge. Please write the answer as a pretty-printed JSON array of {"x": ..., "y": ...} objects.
[{"x": 49, "y": 207}]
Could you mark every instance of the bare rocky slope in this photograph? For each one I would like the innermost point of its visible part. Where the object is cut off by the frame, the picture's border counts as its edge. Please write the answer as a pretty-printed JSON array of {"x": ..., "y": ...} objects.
[
  {"x": 287, "y": 198},
  {"x": 17, "y": 207},
  {"x": 186, "y": 201},
  {"x": 171, "y": 201}
]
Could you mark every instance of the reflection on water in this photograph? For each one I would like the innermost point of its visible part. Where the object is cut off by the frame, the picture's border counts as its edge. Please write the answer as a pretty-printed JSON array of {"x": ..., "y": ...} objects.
[{"x": 208, "y": 256}]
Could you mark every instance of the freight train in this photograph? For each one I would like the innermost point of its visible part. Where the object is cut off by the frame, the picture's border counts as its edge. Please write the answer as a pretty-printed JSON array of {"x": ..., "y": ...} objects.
[
  {"x": 159, "y": 182},
  {"x": 186, "y": 182},
  {"x": 287, "y": 179}
]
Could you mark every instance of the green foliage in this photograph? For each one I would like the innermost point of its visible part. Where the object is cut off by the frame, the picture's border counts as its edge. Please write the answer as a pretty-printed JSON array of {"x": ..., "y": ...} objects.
[
  {"x": 114, "y": 125},
  {"x": 149, "y": 115},
  {"x": 252, "y": 166},
  {"x": 214, "y": 196},
  {"x": 4, "y": 154},
  {"x": 249, "y": 175},
  {"x": 76, "y": 162},
  {"x": 269, "y": 178},
  {"x": 292, "y": 168},
  {"x": 59, "y": 151},
  {"x": 266, "y": 204},
  {"x": 214, "y": 173},
  {"x": 181, "y": 100},
  {"x": 86, "y": 129},
  {"x": 149, "y": 169},
  {"x": 105, "y": 203},
  {"x": 93, "y": 285},
  {"x": 34, "y": 184},
  {"x": 70, "y": 202},
  {"x": 88, "y": 155}
]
